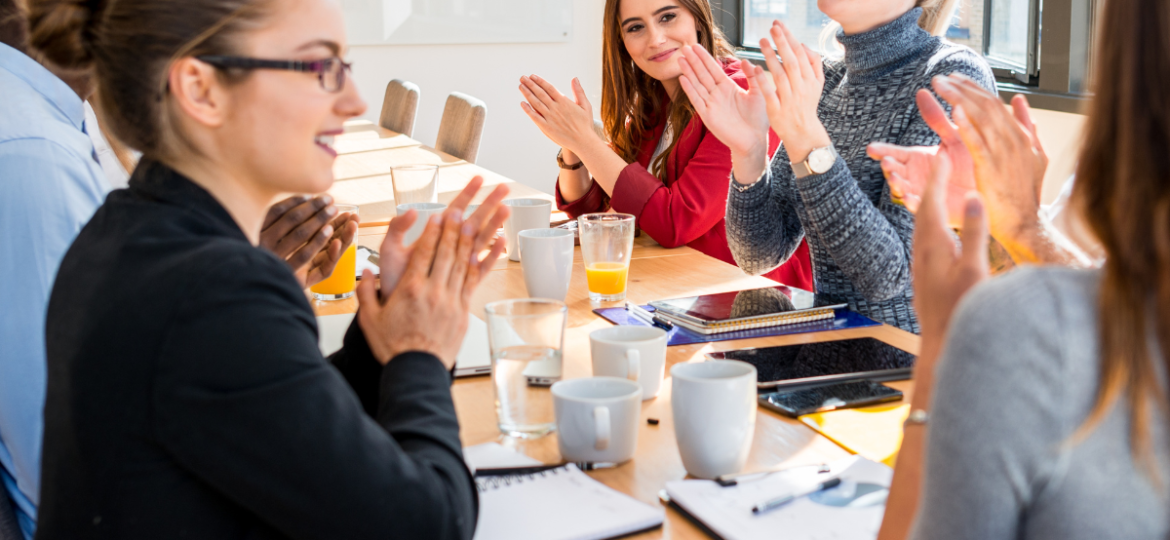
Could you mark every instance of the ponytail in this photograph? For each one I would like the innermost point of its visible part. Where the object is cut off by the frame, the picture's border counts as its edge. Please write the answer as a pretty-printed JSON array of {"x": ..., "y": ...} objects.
[{"x": 62, "y": 31}]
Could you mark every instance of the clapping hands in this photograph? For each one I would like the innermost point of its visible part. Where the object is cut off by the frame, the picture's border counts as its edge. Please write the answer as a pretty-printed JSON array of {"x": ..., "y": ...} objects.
[{"x": 309, "y": 235}]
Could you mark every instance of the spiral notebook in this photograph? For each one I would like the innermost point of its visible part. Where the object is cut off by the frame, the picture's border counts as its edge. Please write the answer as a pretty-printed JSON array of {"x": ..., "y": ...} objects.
[
  {"x": 746, "y": 310},
  {"x": 558, "y": 504}
]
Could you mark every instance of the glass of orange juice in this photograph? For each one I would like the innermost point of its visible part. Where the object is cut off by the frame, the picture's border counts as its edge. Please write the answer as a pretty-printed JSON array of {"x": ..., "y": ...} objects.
[
  {"x": 606, "y": 243},
  {"x": 343, "y": 281}
]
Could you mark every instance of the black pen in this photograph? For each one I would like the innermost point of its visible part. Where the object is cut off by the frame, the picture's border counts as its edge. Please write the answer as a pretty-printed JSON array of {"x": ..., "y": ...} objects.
[
  {"x": 781, "y": 501},
  {"x": 505, "y": 471},
  {"x": 646, "y": 316}
]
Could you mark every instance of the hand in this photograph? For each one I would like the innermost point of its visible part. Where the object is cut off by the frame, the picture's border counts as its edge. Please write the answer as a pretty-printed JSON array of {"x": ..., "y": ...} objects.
[
  {"x": 943, "y": 274},
  {"x": 793, "y": 92},
  {"x": 736, "y": 116},
  {"x": 309, "y": 235},
  {"x": 566, "y": 122},
  {"x": 427, "y": 288},
  {"x": 1008, "y": 160},
  {"x": 907, "y": 169}
]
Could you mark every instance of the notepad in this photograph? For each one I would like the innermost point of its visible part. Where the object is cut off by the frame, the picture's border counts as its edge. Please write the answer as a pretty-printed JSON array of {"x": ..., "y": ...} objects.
[
  {"x": 746, "y": 310},
  {"x": 874, "y": 432},
  {"x": 558, "y": 504},
  {"x": 852, "y": 510}
]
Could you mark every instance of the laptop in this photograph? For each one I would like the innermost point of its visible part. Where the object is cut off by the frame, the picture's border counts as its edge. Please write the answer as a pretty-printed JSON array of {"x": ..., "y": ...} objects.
[{"x": 474, "y": 356}]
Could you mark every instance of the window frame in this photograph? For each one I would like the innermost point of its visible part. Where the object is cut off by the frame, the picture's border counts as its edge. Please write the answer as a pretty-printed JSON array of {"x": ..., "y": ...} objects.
[{"x": 1059, "y": 71}]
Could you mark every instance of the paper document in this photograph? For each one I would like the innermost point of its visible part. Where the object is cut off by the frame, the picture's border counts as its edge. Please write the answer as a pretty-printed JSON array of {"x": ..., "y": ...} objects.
[{"x": 852, "y": 510}]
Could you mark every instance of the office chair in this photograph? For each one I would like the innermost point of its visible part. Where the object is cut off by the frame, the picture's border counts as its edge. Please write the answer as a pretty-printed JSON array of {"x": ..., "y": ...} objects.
[
  {"x": 462, "y": 126},
  {"x": 399, "y": 107}
]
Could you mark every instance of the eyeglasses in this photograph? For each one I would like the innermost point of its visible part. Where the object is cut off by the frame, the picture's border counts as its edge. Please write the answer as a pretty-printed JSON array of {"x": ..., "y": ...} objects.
[{"x": 330, "y": 71}]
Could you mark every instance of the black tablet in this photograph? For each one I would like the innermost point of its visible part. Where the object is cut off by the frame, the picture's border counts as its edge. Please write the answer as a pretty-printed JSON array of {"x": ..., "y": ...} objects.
[{"x": 815, "y": 364}]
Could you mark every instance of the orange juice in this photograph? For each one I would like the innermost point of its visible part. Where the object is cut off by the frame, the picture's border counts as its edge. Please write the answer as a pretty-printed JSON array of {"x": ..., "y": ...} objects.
[
  {"x": 606, "y": 278},
  {"x": 342, "y": 282}
]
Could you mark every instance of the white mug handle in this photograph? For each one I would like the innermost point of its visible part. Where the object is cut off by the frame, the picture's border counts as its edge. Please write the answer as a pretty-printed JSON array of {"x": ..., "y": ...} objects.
[
  {"x": 601, "y": 427},
  {"x": 633, "y": 364}
]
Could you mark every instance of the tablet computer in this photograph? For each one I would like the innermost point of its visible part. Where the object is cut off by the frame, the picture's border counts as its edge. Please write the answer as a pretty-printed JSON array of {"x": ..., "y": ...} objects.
[
  {"x": 817, "y": 364},
  {"x": 744, "y": 310}
]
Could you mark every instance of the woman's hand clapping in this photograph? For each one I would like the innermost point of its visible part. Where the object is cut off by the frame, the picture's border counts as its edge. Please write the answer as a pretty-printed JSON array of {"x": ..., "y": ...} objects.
[
  {"x": 426, "y": 288},
  {"x": 568, "y": 122},
  {"x": 793, "y": 92}
]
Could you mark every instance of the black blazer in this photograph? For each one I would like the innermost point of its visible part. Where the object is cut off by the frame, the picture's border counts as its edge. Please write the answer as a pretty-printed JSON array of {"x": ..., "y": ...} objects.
[{"x": 187, "y": 397}]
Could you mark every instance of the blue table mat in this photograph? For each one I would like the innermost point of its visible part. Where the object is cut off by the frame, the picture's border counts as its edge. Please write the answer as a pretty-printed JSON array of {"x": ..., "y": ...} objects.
[{"x": 843, "y": 319}]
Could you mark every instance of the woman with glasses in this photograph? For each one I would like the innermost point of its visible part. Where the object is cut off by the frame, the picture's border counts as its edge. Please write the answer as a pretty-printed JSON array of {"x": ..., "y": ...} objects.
[
  {"x": 186, "y": 396},
  {"x": 660, "y": 163}
]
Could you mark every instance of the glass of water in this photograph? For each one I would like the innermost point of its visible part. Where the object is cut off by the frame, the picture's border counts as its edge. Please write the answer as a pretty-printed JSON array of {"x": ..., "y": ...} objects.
[
  {"x": 415, "y": 183},
  {"x": 526, "y": 337}
]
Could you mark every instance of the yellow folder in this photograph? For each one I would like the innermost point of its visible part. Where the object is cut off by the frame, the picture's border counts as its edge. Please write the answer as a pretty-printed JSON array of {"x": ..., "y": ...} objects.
[{"x": 874, "y": 432}]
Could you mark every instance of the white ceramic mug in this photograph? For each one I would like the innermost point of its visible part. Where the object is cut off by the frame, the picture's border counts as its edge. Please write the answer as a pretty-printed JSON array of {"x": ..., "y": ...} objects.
[
  {"x": 597, "y": 419},
  {"x": 714, "y": 406},
  {"x": 425, "y": 211},
  {"x": 526, "y": 214},
  {"x": 637, "y": 353},
  {"x": 546, "y": 256}
]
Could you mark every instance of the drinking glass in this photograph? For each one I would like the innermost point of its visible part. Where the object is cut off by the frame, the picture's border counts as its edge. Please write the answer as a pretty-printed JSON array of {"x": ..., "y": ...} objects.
[
  {"x": 607, "y": 240},
  {"x": 415, "y": 183},
  {"x": 526, "y": 338},
  {"x": 343, "y": 281}
]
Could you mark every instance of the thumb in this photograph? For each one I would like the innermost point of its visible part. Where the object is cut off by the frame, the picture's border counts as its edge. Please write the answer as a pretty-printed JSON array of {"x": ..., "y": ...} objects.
[
  {"x": 974, "y": 234},
  {"x": 935, "y": 116},
  {"x": 579, "y": 94},
  {"x": 367, "y": 294}
]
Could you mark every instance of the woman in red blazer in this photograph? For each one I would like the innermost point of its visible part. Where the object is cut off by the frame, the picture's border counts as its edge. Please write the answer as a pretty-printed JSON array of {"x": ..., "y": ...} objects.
[{"x": 674, "y": 180}]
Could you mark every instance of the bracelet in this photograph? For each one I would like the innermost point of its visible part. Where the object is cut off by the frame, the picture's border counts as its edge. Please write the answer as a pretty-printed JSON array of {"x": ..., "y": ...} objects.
[
  {"x": 561, "y": 162},
  {"x": 917, "y": 417}
]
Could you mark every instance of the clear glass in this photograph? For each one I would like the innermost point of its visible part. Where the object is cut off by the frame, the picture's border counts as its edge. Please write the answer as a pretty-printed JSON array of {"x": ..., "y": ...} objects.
[
  {"x": 607, "y": 240},
  {"x": 343, "y": 281},
  {"x": 801, "y": 16},
  {"x": 415, "y": 184},
  {"x": 1009, "y": 32},
  {"x": 526, "y": 338}
]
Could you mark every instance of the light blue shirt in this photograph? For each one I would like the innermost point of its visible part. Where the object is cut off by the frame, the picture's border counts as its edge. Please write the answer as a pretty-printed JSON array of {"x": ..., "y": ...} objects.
[{"x": 51, "y": 186}]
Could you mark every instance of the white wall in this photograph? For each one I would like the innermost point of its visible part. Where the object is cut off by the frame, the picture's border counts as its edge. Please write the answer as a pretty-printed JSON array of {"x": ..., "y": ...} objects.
[{"x": 512, "y": 145}]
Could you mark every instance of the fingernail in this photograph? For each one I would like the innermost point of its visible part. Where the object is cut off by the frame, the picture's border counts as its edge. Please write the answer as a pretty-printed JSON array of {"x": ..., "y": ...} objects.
[
  {"x": 457, "y": 216},
  {"x": 974, "y": 206},
  {"x": 468, "y": 229},
  {"x": 327, "y": 230},
  {"x": 435, "y": 218},
  {"x": 327, "y": 199},
  {"x": 330, "y": 210}
]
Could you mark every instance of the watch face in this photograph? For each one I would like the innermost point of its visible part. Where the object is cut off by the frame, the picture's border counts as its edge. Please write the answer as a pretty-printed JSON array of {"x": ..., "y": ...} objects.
[{"x": 821, "y": 160}]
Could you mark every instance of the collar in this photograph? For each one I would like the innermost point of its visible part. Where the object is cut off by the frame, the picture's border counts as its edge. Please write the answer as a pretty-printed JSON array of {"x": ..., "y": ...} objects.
[
  {"x": 155, "y": 180},
  {"x": 879, "y": 52},
  {"x": 42, "y": 80}
]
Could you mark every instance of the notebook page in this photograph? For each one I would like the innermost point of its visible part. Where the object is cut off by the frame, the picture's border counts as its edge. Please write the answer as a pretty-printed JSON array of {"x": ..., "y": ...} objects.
[
  {"x": 562, "y": 504},
  {"x": 850, "y": 511}
]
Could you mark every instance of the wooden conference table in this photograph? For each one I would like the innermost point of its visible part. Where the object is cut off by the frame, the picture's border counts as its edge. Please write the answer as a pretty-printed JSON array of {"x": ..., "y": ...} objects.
[{"x": 655, "y": 273}]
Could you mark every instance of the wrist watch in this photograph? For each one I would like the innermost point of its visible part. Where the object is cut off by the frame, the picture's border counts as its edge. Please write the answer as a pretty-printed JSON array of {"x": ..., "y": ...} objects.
[
  {"x": 819, "y": 161},
  {"x": 561, "y": 162}
]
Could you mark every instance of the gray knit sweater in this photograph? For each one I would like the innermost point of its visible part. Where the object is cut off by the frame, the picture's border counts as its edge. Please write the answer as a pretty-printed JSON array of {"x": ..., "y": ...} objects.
[{"x": 858, "y": 238}]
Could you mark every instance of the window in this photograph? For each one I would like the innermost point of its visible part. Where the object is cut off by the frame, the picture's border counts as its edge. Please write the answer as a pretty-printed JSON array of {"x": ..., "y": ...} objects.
[{"x": 1006, "y": 32}]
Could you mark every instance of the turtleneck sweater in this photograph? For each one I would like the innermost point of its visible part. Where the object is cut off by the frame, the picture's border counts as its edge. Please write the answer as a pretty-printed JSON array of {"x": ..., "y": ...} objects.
[{"x": 859, "y": 239}]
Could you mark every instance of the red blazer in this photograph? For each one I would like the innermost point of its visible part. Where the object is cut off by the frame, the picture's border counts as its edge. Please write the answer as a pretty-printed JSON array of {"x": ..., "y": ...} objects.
[{"x": 688, "y": 207}]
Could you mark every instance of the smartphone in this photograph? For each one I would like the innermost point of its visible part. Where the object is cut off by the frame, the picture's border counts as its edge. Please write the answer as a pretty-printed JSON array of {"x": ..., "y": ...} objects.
[{"x": 827, "y": 398}]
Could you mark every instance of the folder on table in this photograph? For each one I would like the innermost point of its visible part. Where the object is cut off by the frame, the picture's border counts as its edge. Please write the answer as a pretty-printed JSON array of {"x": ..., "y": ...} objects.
[
  {"x": 874, "y": 432},
  {"x": 745, "y": 310}
]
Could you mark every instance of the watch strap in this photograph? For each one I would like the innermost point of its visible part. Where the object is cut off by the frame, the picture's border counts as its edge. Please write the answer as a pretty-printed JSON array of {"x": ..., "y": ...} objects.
[
  {"x": 804, "y": 168},
  {"x": 561, "y": 163}
]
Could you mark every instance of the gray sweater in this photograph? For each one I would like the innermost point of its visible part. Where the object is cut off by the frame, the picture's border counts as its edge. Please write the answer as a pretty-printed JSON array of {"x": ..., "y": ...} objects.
[
  {"x": 1018, "y": 376},
  {"x": 858, "y": 238}
]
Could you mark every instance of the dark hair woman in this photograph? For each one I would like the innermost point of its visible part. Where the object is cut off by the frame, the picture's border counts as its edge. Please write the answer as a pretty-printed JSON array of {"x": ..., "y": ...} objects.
[
  {"x": 186, "y": 393},
  {"x": 1046, "y": 415},
  {"x": 661, "y": 163}
]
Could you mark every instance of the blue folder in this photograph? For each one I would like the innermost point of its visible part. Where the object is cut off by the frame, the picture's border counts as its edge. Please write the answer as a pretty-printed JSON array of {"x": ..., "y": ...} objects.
[{"x": 843, "y": 319}]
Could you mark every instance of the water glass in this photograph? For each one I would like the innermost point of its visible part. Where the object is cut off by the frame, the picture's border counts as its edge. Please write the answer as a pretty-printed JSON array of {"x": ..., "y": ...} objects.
[
  {"x": 607, "y": 241},
  {"x": 343, "y": 281},
  {"x": 526, "y": 338},
  {"x": 415, "y": 183}
]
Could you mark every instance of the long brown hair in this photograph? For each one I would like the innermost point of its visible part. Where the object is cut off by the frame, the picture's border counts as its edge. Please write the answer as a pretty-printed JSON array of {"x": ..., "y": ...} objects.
[
  {"x": 631, "y": 99},
  {"x": 129, "y": 45},
  {"x": 1123, "y": 191}
]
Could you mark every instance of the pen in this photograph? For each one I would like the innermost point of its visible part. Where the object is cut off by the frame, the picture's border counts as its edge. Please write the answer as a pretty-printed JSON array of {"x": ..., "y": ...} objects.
[
  {"x": 729, "y": 480},
  {"x": 781, "y": 501},
  {"x": 507, "y": 471},
  {"x": 655, "y": 320}
]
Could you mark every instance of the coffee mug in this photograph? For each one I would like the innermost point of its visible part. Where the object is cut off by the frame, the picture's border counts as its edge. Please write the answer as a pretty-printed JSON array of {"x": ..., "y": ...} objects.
[
  {"x": 526, "y": 214},
  {"x": 597, "y": 419},
  {"x": 637, "y": 353},
  {"x": 546, "y": 256},
  {"x": 425, "y": 211},
  {"x": 714, "y": 406}
]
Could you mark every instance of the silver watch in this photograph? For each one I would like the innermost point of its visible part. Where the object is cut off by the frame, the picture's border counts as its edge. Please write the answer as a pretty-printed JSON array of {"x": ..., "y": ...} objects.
[{"x": 819, "y": 161}]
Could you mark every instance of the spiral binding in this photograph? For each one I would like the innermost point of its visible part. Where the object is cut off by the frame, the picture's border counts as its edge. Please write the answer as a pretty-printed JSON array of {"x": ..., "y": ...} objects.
[
  {"x": 489, "y": 483},
  {"x": 773, "y": 320}
]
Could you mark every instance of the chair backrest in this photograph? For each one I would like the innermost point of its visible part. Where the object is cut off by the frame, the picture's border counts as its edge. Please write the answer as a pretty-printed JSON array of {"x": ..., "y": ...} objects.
[
  {"x": 399, "y": 107},
  {"x": 462, "y": 126},
  {"x": 9, "y": 528}
]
